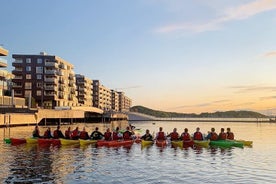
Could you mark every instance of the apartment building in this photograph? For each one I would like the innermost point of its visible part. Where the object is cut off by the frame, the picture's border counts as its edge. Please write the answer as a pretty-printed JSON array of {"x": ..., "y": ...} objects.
[
  {"x": 3, "y": 72},
  {"x": 124, "y": 102},
  {"x": 49, "y": 80},
  {"x": 114, "y": 100},
  {"x": 101, "y": 96},
  {"x": 84, "y": 90}
]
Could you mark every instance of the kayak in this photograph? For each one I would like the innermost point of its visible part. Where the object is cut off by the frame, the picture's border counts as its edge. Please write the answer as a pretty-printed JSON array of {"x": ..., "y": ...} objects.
[
  {"x": 69, "y": 141},
  {"x": 7, "y": 140},
  {"x": 177, "y": 143},
  {"x": 146, "y": 143},
  {"x": 188, "y": 143},
  {"x": 245, "y": 143},
  {"x": 44, "y": 142},
  {"x": 226, "y": 143},
  {"x": 203, "y": 143},
  {"x": 31, "y": 140},
  {"x": 161, "y": 143},
  {"x": 88, "y": 141},
  {"x": 16, "y": 141},
  {"x": 115, "y": 143}
]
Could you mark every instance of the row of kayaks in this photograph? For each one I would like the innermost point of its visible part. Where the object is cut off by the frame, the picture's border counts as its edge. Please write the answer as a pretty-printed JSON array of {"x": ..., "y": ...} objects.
[
  {"x": 203, "y": 143},
  {"x": 56, "y": 142}
]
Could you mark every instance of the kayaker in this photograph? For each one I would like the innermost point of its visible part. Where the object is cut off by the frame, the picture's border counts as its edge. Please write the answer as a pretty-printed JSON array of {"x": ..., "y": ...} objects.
[
  {"x": 68, "y": 133},
  {"x": 75, "y": 134},
  {"x": 147, "y": 136},
  {"x": 116, "y": 135},
  {"x": 185, "y": 136},
  {"x": 127, "y": 135},
  {"x": 108, "y": 135},
  {"x": 48, "y": 134},
  {"x": 229, "y": 134},
  {"x": 96, "y": 134},
  {"x": 198, "y": 135},
  {"x": 174, "y": 136},
  {"x": 160, "y": 135},
  {"x": 84, "y": 134},
  {"x": 36, "y": 132},
  {"x": 58, "y": 133},
  {"x": 222, "y": 134},
  {"x": 213, "y": 136}
]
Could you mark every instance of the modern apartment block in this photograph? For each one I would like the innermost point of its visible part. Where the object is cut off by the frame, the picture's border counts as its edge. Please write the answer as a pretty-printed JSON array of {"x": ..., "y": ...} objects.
[
  {"x": 48, "y": 79},
  {"x": 84, "y": 90},
  {"x": 101, "y": 96},
  {"x": 114, "y": 100},
  {"x": 3, "y": 72},
  {"x": 124, "y": 102}
]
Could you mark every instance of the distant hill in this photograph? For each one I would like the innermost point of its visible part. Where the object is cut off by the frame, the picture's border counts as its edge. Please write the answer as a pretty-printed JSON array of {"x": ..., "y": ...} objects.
[{"x": 226, "y": 114}]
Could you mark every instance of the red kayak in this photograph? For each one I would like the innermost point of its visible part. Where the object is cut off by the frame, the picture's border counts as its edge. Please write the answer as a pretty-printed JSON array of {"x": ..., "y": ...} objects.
[
  {"x": 189, "y": 143},
  {"x": 161, "y": 143},
  {"x": 115, "y": 143},
  {"x": 17, "y": 141},
  {"x": 49, "y": 142}
]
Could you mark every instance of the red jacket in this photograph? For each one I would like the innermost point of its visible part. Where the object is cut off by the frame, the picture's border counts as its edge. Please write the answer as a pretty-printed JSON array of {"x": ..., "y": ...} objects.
[
  {"x": 198, "y": 136},
  {"x": 161, "y": 136}
]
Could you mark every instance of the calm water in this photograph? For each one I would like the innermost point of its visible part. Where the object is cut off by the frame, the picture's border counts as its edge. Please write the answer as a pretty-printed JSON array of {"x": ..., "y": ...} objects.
[{"x": 34, "y": 164}]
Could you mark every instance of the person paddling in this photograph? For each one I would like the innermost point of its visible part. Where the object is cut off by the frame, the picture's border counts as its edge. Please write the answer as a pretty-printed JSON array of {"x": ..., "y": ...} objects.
[
  {"x": 185, "y": 136},
  {"x": 116, "y": 135},
  {"x": 229, "y": 134},
  {"x": 36, "y": 132},
  {"x": 96, "y": 134},
  {"x": 108, "y": 135},
  {"x": 127, "y": 135},
  {"x": 75, "y": 134},
  {"x": 58, "y": 133},
  {"x": 147, "y": 136},
  {"x": 174, "y": 136},
  {"x": 48, "y": 134},
  {"x": 213, "y": 136},
  {"x": 160, "y": 136},
  {"x": 68, "y": 133},
  {"x": 84, "y": 134},
  {"x": 198, "y": 135},
  {"x": 222, "y": 134}
]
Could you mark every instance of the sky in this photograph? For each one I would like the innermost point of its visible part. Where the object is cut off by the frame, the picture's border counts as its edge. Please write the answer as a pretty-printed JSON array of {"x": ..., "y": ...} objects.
[{"x": 171, "y": 55}]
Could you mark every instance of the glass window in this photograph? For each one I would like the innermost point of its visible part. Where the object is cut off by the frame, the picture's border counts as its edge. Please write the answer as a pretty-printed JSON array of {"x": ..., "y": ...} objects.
[
  {"x": 38, "y": 93},
  {"x": 28, "y": 93},
  {"x": 28, "y": 76},
  {"x": 28, "y": 68},
  {"x": 39, "y": 61},
  {"x": 38, "y": 76},
  {"x": 28, "y": 60},
  {"x": 39, "y": 69},
  {"x": 39, "y": 84},
  {"x": 28, "y": 85}
]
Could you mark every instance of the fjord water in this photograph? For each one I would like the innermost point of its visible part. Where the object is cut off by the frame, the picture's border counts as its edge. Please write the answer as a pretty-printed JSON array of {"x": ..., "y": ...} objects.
[{"x": 89, "y": 164}]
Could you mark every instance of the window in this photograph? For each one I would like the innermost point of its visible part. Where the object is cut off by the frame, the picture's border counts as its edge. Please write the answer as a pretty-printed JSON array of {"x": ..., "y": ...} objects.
[
  {"x": 28, "y": 93},
  {"x": 39, "y": 60},
  {"x": 28, "y": 85},
  {"x": 38, "y": 76},
  {"x": 28, "y": 76},
  {"x": 28, "y": 60},
  {"x": 28, "y": 68},
  {"x": 39, "y": 84},
  {"x": 39, "y": 69},
  {"x": 38, "y": 93}
]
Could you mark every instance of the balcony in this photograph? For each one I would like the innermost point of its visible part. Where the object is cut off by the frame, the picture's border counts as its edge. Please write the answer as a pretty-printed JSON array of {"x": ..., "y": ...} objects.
[
  {"x": 61, "y": 96},
  {"x": 50, "y": 80},
  {"x": 51, "y": 88},
  {"x": 3, "y": 62},
  {"x": 50, "y": 72},
  {"x": 50, "y": 94},
  {"x": 3, "y": 52},
  {"x": 60, "y": 73},
  {"x": 17, "y": 85},
  {"x": 61, "y": 81},
  {"x": 51, "y": 64}
]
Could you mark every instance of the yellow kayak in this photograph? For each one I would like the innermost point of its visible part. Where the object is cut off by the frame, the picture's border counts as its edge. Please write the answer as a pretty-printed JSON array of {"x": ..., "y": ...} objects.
[
  {"x": 204, "y": 143},
  {"x": 177, "y": 143},
  {"x": 86, "y": 142},
  {"x": 245, "y": 143},
  {"x": 69, "y": 141},
  {"x": 31, "y": 140},
  {"x": 146, "y": 143}
]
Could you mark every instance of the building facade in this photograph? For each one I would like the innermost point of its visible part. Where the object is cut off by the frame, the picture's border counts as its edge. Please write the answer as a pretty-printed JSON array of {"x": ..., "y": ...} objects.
[
  {"x": 48, "y": 80},
  {"x": 124, "y": 102},
  {"x": 84, "y": 90},
  {"x": 114, "y": 100},
  {"x": 101, "y": 96}
]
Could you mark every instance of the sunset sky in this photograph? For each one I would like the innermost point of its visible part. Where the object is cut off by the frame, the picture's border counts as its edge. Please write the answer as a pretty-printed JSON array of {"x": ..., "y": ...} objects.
[{"x": 172, "y": 55}]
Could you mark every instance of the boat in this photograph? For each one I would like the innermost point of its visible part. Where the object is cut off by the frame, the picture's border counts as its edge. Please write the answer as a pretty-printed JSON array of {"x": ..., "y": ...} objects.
[
  {"x": 226, "y": 143},
  {"x": 188, "y": 143},
  {"x": 88, "y": 141},
  {"x": 17, "y": 141},
  {"x": 31, "y": 140},
  {"x": 177, "y": 144},
  {"x": 7, "y": 140},
  {"x": 203, "y": 143},
  {"x": 68, "y": 141},
  {"x": 44, "y": 142},
  {"x": 115, "y": 143},
  {"x": 146, "y": 143},
  {"x": 161, "y": 143},
  {"x": 245, "y": 143}
]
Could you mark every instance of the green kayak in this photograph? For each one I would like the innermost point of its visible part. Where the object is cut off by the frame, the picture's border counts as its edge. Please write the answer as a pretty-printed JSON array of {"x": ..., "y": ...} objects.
[
  {"x": 226, "y": 143},
  {"x": 7, "y": 140}
]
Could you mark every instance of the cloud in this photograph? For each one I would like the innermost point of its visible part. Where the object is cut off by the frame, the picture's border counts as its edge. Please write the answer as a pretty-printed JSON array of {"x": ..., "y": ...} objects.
[
  {"x": 201, "y": 105},
  {"x": 251, "y": 88},
  {"x": 241, "y": 12},
  {"x": 268, "y": 98},
  {"x": 270, "y": 54}
]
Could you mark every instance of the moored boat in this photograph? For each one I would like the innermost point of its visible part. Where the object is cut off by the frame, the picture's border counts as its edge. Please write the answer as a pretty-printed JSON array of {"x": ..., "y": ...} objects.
[
  {"x": 16, "y": 141},
  {"x": 86, "y": 142},
  {"x": 203, "y": 143},
  {"x": 69, "y": 142}
]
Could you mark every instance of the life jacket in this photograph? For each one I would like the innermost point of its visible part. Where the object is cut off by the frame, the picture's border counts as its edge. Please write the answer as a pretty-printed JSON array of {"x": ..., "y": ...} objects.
[
  {"x": 127, "y": 135},
  {"x": 47, "y": 134},
  {"x": 186, "y": 137},
  {"x": 75, "y": 134},
  {"x": 115, "y": 136},
  {"x": 222, "y": 136},
  {"x": 56, "y": 136},
  {"x": 214, "y": 136},
  {"x": 174, "y": 136},
  {"x": 198, "y": 136},
  {"x": 161, "y": 136},
  {"x": 67, "y": 134},
  {"x": 107, "y": 136},
  {"x": 230, "y": 135},
  {"x": 84, "y": 135}
]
